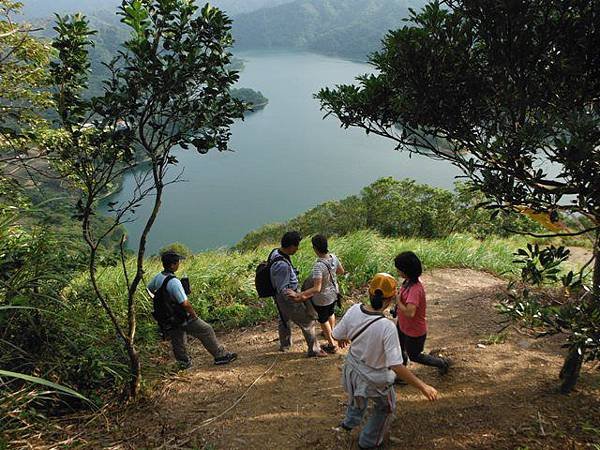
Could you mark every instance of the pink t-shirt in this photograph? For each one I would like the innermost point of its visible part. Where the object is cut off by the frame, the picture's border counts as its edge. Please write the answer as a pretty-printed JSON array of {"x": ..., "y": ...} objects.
[{"x": 413, "y": 295}]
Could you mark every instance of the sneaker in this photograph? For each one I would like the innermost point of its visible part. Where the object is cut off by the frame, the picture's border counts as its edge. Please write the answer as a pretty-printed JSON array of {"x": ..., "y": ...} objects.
[
  {"x": 225, "y": 359},
  {"x": 377, "y": 447},
  {"x": 319, "y": 354},
  {"x": 329, "y": 349},
  {"x": 184, "y": 365},
  {"x": 342, "y": 427},
  {"x": 443, "y": 370}
]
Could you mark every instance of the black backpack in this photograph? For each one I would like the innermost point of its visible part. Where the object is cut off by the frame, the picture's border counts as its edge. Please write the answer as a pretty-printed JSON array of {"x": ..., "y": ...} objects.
[
  {"x": 262, "y": 280},
  {"x": 167, "y": 312}
]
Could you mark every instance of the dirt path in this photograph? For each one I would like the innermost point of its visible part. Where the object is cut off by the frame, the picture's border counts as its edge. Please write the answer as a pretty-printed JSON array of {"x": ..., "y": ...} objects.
[{"x": 498, "y": 395}]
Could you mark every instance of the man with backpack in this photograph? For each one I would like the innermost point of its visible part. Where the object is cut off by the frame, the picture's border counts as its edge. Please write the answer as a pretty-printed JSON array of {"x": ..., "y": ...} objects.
[
  {"x": 176, "y": 316},
  {"x": 292, "y": 309}
]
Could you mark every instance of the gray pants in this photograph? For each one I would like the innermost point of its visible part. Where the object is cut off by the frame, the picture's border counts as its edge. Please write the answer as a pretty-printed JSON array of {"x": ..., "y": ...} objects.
[
  {"x": 199, "y": 329},
  {"x": 292, "y": 312}
]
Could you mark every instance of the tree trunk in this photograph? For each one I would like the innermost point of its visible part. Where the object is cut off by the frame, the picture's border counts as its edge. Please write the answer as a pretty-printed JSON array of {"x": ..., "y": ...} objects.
[
  {"x": 596, "y": 276},
  {"x": 570, "y": 369},
  {"x": 574, "y": 359},
  {"x": 134, "y": 359},
  {"x": 135, "y": 370}
]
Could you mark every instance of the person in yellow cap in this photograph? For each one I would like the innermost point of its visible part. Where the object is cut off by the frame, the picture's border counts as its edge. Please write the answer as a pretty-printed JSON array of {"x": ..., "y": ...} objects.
[{"x": 373, "y": 362}]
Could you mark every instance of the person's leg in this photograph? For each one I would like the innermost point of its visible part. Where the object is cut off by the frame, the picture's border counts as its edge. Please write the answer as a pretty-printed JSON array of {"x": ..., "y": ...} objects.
[
  {"x": 414, "y": 348},
  {"x": 357, "y": 406},
  {"x": 379, "y": 422},
  {"x": 310, "y": 336},
  {"x": 327, "y": 330},
  {"x": 177, "y": 336},
  {"x": 285, "y": 324},
  {"x": 402, "y": 337},
  {"x": 203, "y": 331},
  {"x": 297, "y": 313},
  {"x": 325, "y": 313},
  {"x": 332, "y": 321}
]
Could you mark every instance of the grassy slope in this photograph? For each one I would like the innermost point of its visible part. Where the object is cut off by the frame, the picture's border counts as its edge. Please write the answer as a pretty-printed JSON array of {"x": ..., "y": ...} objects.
[{"x": 223, "y": 281}]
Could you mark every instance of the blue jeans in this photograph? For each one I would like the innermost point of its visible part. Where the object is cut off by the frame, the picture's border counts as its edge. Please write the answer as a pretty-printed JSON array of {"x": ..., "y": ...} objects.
[{"x": 379, "y": 422}]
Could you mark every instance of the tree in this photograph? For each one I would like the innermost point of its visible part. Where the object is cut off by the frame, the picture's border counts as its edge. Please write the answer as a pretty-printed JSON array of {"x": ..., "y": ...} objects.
[
  {"x": 169, "y": 88},
  {"x": 508, "y": 92},
  {"x": 23, "y": 97}
]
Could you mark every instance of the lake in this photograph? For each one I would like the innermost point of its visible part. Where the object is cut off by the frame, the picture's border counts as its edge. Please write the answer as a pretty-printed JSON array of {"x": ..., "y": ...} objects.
[{"x": 287, "y": 159}]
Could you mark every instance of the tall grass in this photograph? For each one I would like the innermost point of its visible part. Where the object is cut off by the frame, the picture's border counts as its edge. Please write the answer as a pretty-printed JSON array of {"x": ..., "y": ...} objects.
[{"x": 223, "y": 281}]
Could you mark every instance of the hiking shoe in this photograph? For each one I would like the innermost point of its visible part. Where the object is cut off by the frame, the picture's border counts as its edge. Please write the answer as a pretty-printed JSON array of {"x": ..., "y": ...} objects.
[
  {"x": 380, "y": 446},
  {"x": 319, "y": 354},
  {"x": 443, "y": 370},
  {"x": 184, "y": 365},
  {"x": 225, "y": 359},
  {"x": 342, "y": 427},
  {"x": 284, "y": 349},
  {"x": 329, "y": 349}
]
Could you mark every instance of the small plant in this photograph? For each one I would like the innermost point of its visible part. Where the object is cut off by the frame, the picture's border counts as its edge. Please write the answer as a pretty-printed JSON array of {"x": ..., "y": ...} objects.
[
  {"x": 589, "y": 428},
  {"x": 495, "y": 339},
  {"x": 541, "y": 266},
  {"x": 574, "y": 311}
]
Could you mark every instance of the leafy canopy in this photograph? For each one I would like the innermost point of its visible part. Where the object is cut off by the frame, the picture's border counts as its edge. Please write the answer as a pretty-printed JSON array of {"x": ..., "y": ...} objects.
[{"x": 506, "y": 91}]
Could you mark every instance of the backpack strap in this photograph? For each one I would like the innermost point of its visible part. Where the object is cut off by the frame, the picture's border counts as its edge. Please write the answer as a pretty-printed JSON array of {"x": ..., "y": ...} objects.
[
  {"x": 163, "y": 286},
  {"x": 278, "y": 258},
  {"x": 363, "y": 329},
  {"x": 335, "y": 285}
]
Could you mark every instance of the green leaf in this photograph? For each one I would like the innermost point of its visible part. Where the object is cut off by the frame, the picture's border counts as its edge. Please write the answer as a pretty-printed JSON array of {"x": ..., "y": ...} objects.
[{"x": 41, "y": 381}]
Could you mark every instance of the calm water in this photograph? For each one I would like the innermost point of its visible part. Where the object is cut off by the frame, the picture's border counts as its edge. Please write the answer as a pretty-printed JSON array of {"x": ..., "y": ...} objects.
[{"x": 286, "y": 160}]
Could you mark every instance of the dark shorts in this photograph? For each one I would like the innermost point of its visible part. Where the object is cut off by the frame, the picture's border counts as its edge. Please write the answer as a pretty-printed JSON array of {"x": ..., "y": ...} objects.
[{"x": 324, "y": 312}]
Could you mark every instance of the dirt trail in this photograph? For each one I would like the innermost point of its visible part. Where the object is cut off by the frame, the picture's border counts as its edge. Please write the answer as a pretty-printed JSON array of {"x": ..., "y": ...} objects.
[{"x": 501, "y": 395}]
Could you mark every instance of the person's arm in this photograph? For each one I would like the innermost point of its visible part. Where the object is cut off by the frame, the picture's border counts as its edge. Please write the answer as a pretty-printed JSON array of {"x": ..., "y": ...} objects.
[
  {"x": 414, "y": 296},
  {"x": 408, "y": 310},
  {"x": 315, "y": 289},
  {"x": 177, "y": 292},
  {"x": 340, "y": 268},
  {"x": 405, "y": 374},
  {"x": 340, "y": 333},
  {"x": 187, "y": 306},
  {"x": 280, "y": 276}
]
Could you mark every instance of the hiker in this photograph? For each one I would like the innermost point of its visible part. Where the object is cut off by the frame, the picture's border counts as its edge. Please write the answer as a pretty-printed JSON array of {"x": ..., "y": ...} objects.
[
  {"x": 189, "y": 322},
  {"x": 372, "y": 363},
  {"x": 325, "y": 290},
  {"x": 411, "y": 309},
  {"x": 291, "y": 307}
]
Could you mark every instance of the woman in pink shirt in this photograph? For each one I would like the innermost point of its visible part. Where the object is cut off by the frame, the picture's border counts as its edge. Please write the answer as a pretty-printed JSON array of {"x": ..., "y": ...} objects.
[{"x": 411, "y": 310}]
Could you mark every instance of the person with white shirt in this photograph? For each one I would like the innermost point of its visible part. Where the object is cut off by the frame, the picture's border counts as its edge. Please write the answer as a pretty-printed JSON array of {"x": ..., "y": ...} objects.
[{"x": 373, "y": 362}]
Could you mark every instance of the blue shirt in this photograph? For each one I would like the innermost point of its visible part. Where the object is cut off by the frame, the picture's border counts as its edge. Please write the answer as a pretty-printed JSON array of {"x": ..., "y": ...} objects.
[
  {"x": 174, "y": 287},
  {"x": 283, "y": 275}
]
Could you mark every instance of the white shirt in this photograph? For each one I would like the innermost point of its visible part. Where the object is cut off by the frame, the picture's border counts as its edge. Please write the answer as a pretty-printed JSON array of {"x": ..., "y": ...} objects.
[{"x": 378, "y": 346}]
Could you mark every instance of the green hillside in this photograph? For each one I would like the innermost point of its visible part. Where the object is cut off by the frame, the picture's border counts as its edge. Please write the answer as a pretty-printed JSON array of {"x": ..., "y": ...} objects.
[{"x": 349, "y": 28}]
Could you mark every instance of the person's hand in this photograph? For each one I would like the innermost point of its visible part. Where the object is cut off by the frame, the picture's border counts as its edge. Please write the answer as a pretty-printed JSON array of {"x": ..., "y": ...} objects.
[
  {"x": 293, "y": 295},
  {"x": 430, "y": 392},
  {"x": 343, "y": 343}
]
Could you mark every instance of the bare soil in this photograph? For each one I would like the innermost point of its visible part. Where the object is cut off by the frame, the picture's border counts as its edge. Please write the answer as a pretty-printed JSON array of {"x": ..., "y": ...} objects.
[{"x": 502, "y": 391}]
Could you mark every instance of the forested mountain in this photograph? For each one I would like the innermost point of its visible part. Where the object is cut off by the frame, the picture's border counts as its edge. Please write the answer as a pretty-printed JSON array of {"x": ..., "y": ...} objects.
[
  {"x": 36, "y": 9},
  {"x": 350, "y": 28}
]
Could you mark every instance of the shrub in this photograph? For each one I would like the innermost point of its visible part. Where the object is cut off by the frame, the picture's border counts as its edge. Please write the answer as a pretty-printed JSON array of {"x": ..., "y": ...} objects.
[{"x": 398, "y": 208}]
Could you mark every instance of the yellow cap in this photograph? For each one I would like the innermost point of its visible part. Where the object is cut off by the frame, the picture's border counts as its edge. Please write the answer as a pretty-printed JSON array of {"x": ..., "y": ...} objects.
[{"x": 385, "y": 282}]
